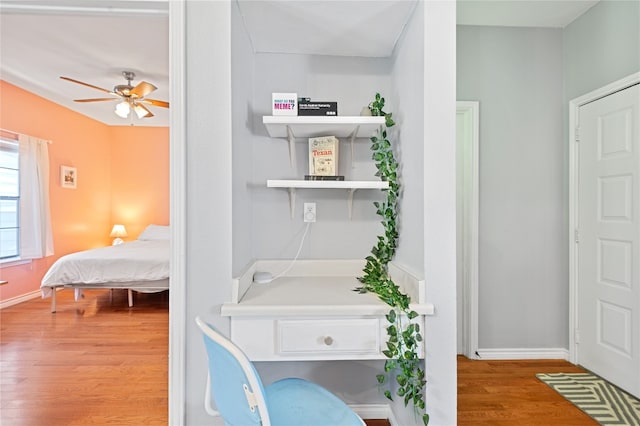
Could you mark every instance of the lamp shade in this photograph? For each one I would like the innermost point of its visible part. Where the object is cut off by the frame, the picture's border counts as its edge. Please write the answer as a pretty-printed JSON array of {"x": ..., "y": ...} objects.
[
  {"x": 140, "y": 111},
  {"x": 118, "y": 231},
  {"x": 123, "y": 109}
]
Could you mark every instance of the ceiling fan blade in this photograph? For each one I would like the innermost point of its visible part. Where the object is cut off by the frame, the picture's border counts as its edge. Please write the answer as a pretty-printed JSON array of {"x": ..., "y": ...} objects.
[
  {"x": 148, "y": 112},
  {"x": 87, "y": 84},
  {"x": 155, "y": 102},
  {"x": 96, "y": 100},
  {"x": 142, "y": 89}
]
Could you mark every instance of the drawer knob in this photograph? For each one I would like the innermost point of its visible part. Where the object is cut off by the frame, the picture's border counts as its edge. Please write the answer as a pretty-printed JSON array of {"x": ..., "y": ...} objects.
[{"x": 328, "y": 340}]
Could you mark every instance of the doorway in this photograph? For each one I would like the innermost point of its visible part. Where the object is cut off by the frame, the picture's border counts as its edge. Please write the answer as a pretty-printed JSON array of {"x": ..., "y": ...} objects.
[{"x": 604, "y": 205}]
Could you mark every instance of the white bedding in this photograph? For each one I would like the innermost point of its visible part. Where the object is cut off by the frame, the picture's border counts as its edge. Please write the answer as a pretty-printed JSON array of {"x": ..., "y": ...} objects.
[{"x": 139, "y": 260}]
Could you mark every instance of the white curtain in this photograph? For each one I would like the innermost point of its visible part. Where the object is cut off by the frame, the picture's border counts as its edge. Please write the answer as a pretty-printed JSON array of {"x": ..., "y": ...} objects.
[{"x": 36, "y": 237}]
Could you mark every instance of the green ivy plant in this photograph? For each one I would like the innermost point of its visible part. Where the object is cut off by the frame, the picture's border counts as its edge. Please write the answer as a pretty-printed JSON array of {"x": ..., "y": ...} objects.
[{"x": 403, "y": 335}]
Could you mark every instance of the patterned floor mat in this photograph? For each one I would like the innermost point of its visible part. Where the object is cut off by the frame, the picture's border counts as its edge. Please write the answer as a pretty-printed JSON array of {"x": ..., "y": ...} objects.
[{"x": 605, "y": 403}]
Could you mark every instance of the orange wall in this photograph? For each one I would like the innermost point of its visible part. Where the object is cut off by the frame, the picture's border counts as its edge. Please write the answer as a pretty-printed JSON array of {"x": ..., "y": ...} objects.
[
  {"x": 140, "y": 177},
  {"x": 83, "y": 217}
]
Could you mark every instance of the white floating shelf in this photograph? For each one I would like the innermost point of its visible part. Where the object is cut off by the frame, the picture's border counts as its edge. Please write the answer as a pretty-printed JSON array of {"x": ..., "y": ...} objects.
[
  {"x": 292, "y": 127},
  {"x": 350, "y": 185},
  {"x": 328, "y": 184}
]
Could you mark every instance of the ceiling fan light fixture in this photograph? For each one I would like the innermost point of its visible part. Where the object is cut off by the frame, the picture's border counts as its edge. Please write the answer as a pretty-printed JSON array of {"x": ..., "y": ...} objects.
[
  {"x": 123, "y": 109},
  {"x": 140, "y": 111},
  {"x": 131, "y": 97}
]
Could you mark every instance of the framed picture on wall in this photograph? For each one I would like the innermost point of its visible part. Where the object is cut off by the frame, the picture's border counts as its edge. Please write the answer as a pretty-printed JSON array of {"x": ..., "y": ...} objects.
[{"x": 68, "y": 177}]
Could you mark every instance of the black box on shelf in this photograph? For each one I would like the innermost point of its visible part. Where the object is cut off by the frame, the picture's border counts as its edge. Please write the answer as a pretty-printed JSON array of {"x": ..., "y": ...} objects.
[
  {"x": 319, "y": 177},
  {"x": 317, "y": 108}
]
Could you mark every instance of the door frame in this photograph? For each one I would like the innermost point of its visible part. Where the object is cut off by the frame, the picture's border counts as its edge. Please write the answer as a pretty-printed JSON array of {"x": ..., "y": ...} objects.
[
  {"x": 177, "y": 214},
  {"x": 574, "y": 151},
  {"x": 470, "y": 111}
]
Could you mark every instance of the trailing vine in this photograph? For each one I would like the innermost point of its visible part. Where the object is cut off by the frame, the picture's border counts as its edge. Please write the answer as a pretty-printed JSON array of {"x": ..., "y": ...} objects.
[{"x": 404, "y": 336}]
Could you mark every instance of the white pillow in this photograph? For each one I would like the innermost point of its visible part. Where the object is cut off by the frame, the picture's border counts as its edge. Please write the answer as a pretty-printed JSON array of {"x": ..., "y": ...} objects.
[{"x": 155, "y": 232}]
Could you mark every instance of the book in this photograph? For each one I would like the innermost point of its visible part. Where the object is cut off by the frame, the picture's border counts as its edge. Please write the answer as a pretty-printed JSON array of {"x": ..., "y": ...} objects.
[
  {"x": 323, "y": 156},
  {"x": 314, "y": 177},
  {"x": 306, "y": 108},
  {"x": 284, "y": 104}
]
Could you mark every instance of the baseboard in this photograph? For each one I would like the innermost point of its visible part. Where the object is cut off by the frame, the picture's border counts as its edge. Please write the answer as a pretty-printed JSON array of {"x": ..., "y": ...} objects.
[
  {"x": 375, "y": 411},
  {"x": 523, "y": 353},
  {"x": 19, "y": 299}
]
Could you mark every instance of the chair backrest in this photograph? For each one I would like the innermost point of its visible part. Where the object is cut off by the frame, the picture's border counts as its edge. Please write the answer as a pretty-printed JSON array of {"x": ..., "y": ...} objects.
[{"x": 233, "y": 383}]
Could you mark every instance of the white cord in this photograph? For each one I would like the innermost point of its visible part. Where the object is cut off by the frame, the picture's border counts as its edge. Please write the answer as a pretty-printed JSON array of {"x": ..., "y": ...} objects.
[{"x": 297, "y": 254}]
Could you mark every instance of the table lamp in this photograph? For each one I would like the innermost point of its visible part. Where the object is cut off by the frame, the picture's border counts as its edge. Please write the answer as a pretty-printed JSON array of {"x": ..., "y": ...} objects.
[{"x": 117, "y": 233}]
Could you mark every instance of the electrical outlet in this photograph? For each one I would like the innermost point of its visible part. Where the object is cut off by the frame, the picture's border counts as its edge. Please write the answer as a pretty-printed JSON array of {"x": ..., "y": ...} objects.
[{"x": 309, "y": 212}]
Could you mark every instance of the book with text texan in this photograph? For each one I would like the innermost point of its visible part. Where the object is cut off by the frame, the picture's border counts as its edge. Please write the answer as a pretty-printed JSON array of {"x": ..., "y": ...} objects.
[{"x": 323, "y": 156}]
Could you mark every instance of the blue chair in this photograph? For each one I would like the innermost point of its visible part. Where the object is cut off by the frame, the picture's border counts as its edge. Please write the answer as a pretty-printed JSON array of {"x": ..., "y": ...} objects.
[{"x": 241, "y": 400}]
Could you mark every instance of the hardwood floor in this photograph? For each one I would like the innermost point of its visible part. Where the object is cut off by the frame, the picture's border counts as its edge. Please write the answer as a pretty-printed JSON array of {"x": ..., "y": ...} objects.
[
  {"x": 98, "y": 362},
  {"x": 507, "y": 393},
  {"x": 95, "y": 361}
]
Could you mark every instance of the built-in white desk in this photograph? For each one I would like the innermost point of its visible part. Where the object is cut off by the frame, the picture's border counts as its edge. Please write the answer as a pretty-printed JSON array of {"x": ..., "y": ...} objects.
[{"x": 313, "y": 312}]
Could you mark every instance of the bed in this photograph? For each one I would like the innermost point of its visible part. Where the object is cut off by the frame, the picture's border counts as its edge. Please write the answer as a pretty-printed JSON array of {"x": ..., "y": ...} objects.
[{"x": 141, "y": 265}]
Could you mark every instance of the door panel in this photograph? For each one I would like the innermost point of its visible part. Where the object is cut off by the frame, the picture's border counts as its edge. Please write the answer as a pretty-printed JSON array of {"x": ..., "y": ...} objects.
[{"x": 609, "y": 238}]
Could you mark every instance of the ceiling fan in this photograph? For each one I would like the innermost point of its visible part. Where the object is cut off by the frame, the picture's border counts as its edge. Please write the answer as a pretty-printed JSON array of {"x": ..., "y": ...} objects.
[{"x": 133, "y": 98}]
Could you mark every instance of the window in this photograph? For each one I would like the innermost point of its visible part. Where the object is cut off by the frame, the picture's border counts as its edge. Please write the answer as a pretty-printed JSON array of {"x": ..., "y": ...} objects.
[
  {"x": 9, "y": 199},
  {"x": 25, "y": 218}
]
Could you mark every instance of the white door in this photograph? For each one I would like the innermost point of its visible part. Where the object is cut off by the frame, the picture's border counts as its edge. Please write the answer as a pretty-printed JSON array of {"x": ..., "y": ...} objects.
[{"x": 609, "y": 238}]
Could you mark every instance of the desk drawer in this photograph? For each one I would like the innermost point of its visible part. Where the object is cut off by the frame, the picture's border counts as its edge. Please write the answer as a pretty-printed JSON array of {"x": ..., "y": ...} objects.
[{"x": 337, "y": 336}]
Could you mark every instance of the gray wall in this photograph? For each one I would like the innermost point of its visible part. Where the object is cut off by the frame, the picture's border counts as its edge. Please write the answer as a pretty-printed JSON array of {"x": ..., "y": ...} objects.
[
  {"x": 516, "y": 75},
  {"x": 524, "y": 79},
  {"x": 406, "y": 102},
  {"x": 351, "y": 81},
  {"x": 407, "y": 105},
  {"x": 242, "y": 69},
  {"x": 602, "y": 46}
]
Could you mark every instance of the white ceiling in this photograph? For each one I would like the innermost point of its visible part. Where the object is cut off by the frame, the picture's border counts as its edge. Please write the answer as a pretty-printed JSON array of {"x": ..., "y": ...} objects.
[
  {"x": 78, "y": 39},
  {"x": 95, "y": 40},
  {"x": 321, "y": 27}
]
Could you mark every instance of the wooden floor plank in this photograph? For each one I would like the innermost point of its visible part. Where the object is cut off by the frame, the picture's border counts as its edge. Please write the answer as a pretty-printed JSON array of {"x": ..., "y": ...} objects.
[{"x": 99, "y": 362}]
